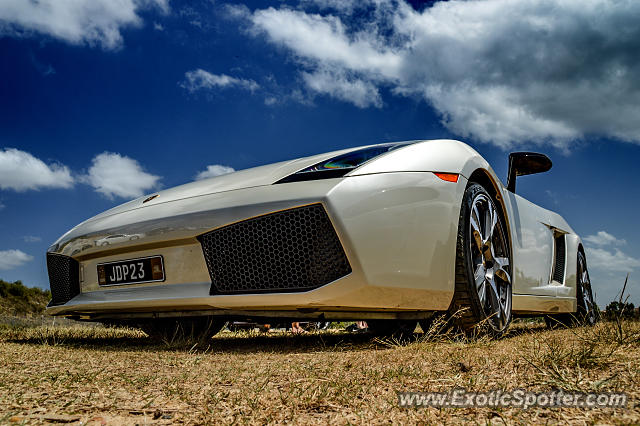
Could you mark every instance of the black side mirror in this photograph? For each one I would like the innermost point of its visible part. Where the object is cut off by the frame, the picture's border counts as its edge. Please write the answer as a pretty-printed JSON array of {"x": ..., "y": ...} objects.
[{"x": 525, "y": 163}]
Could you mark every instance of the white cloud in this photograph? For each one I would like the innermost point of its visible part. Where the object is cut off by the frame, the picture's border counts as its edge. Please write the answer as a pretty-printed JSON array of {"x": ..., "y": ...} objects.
[
  {"x": 360, "y": 93},
  {"x": 21, "y": 171},
  {"x": 94, "y": 22},
  {"x": 213, "y": 171},
  {"x": 610, "y": 261},
  {"x": 31, "y": 239},
  {"x": 603, "y": 238},
  {"x": 10, "y": 259},
  {"x": 201, "y": 79},
  {"x": 114, "y": 175},
  {"x": 325, "y": 39},
  {"x": 236, "y": 11},
  {"x": 500, "y": 71}
]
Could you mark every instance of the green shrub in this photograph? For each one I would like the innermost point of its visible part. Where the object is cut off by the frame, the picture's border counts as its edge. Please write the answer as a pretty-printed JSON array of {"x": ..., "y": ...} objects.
[
  {"x": 18, "y": 299},
  {"x": 617, "y": 309}
]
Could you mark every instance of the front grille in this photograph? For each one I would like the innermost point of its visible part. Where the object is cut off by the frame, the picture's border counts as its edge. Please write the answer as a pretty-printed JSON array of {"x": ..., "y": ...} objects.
[
  {"x": 64, "y": 278},
  {"x": 288, "y": 251}
]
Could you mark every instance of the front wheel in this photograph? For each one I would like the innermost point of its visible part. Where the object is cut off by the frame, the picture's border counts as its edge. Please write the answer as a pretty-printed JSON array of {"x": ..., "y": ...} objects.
[{"x": 482, "y": 297}]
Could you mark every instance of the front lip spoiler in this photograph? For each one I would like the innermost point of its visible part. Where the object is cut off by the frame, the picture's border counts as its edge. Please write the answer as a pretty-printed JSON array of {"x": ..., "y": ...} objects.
[{"x": 300, "y": 313}]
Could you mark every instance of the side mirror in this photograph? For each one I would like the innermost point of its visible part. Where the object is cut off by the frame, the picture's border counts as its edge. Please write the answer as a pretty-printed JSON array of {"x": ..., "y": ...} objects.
[{"x": 525, "y": 163}]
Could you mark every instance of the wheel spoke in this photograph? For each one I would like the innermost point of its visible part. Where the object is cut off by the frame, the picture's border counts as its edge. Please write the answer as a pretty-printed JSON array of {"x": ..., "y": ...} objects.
[
  {"x": 493, "y": 221},
  {"x": 480, "y": 274},
  {"x": 476, "y": 214},
  {"x": 480, "y": 280},
  {"x": 503, "y": 313},
  {"x": 501, "y": 272},
  {"x": 495, "y": 298},
  {"x": 587, "y": 300},
  {"x": 488, "y": 217},
  {"x": 501, "y": 261},
  {"x": 475, "y": 229},
  {"x": 585, "y": 289}
]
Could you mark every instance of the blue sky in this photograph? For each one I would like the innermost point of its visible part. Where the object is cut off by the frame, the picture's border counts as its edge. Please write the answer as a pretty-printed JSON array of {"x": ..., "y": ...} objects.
[{"x": 111, "y": 100}]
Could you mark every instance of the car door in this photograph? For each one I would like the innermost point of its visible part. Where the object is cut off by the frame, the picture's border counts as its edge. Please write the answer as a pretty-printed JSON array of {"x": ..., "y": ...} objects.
[{"x": 532, "y": 244}]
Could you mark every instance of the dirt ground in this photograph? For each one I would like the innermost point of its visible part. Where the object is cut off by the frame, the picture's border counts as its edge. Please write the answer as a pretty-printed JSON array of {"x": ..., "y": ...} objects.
[{"x": 77, "y": 375}]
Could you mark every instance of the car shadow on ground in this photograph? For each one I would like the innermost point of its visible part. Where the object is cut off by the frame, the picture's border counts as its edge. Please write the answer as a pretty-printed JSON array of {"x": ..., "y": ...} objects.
[
  {"x": 113, "y": 339},
  {"x": 235, "y": 342}
]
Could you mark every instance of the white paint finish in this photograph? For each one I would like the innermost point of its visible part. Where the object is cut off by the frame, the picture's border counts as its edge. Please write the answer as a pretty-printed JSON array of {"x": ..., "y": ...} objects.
[
  {"x": 532, "y": 242},
  {"x": 442, "y": 155},
  {"x": 182, "y": 264},
  {"x": 399, "y": 226},
  {"x": 395, "y": 228},
  {"x": 188, "y": 217},
  {"x": 528, "y": 304},
  {"x": 396, "y": 220}
]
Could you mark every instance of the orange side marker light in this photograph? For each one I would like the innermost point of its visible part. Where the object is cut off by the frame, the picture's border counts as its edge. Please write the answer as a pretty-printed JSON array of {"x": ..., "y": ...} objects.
[{"x": 449, "y": 177}]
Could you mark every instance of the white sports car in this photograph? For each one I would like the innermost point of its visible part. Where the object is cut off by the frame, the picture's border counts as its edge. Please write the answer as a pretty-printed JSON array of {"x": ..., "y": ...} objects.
[{"x": 390, "y": 233}]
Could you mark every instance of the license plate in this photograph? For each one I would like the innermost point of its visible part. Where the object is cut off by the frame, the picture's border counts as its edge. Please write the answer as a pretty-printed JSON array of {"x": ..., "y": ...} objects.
[{"x": 132, "y": 271}]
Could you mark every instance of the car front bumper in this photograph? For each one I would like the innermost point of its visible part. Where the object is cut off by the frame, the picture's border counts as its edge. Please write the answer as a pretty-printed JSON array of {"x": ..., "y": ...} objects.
[{"x": 398, "y": 231}]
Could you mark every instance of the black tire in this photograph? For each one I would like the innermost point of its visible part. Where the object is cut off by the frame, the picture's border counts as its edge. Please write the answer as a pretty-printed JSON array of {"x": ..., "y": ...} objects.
[
  {"x": 482, "y": 248},
  {"x": 183, "y": 330},
  {"x": 395, "y": 329}
]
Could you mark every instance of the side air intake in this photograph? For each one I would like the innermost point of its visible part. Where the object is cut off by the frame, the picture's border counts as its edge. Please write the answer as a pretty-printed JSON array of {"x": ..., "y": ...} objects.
[
  {"x": 561, "y": 254},
  {"x": 64, "y": 279},
  {"x": 287, "y": 251}
]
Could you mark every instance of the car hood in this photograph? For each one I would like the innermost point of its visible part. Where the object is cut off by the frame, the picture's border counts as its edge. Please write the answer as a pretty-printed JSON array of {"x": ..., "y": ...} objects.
[{"x": 248, "y": 178}]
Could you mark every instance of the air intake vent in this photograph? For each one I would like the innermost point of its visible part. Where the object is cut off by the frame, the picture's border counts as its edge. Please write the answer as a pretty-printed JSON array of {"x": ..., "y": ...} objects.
[
  {"x": 288, "y": 251},
  {"x": 63, "y": 278},
  {"x": 558, "y": 266}
]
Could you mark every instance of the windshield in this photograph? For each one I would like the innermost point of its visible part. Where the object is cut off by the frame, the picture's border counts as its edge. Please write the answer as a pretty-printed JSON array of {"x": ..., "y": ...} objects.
[
  {"x": 342, "y": 164},
  {"x": 353, "y": 159}
]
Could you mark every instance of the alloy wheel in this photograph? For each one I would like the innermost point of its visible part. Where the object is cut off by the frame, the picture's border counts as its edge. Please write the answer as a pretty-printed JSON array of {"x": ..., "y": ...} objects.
[
  {"x": 490, "y": 262},
  {"x": 586, "y": 308}
]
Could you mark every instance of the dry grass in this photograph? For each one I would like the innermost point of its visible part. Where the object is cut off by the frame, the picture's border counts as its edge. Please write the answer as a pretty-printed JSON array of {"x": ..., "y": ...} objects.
[{"x": 94, "y": 374}]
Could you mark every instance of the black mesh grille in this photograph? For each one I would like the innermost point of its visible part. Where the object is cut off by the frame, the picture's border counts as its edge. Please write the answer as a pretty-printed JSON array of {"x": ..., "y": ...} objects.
[
  {"x": 287, "y": 251},
  {"x": 558, "y": 267},
  {"x": 63, "y": 278}
]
